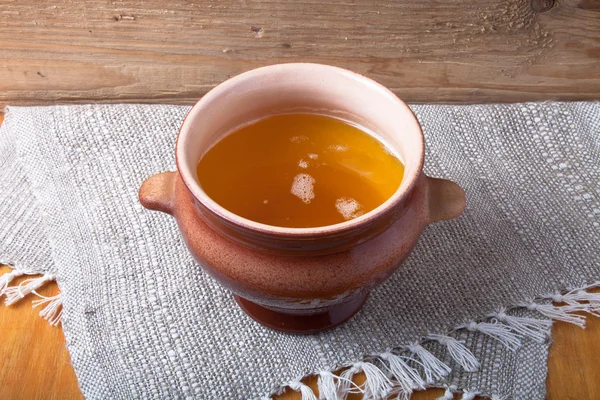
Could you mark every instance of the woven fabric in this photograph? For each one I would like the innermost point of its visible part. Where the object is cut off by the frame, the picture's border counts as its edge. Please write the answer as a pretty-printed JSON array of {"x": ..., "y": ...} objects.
[
  {"x": 20, "y": 215},
  {"x": 142, "y": 319}
]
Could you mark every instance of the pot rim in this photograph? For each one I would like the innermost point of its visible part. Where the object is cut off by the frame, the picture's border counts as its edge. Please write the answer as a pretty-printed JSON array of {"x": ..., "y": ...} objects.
[{"x": 399, "y": 196}]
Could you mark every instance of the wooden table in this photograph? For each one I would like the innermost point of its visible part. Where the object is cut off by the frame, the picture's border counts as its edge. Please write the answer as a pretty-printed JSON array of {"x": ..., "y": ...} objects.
[
  {"x": 458, "y": 51},
  {"x": 174, "y": 51}
]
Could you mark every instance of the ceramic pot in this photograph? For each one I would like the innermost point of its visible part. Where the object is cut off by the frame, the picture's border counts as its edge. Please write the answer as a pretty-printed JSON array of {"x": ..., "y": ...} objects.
[{"x": 301, "y": 279}]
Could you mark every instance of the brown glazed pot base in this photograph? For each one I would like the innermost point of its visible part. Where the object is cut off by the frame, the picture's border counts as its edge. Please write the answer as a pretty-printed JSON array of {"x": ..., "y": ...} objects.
[{"x": 303, "y": 324}]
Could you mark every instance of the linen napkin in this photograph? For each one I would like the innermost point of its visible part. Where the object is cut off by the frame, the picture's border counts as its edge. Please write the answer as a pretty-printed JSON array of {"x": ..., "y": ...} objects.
[{"x": 470, "y": 310}]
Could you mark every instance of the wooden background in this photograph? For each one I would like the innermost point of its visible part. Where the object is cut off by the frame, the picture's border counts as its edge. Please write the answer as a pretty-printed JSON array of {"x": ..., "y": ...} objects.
[
  {"x": 453, "y": 51},
  {"x": 174, "y": 51}
]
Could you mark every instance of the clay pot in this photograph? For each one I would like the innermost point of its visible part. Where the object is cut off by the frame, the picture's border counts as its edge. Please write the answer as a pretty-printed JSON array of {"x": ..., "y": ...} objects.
[{"x": 301, "y": 279}]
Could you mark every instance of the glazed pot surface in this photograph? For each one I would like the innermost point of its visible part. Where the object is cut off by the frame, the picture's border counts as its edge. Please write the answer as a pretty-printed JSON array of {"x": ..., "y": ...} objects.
[
  {"x": 301, "y": 279},
  {"x": 294, "y": 291}
]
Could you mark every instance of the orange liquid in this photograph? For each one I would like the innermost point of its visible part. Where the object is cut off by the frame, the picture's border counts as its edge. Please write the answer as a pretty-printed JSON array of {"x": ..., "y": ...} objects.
[{"x": 299, "y": 170}]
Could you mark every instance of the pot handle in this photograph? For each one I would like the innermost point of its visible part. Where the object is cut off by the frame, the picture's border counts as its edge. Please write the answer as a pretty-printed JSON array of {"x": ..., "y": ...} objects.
[
  {"x": 446, "y": 200},
  {"x": 158, "y": 192}
]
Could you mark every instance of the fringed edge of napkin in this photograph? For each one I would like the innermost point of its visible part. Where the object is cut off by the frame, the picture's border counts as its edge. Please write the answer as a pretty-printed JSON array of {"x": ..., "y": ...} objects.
[
  {"x": 398, "y": 371},
  {"x": 52, "y": 306},
  {"x": 404, "y": 369}
]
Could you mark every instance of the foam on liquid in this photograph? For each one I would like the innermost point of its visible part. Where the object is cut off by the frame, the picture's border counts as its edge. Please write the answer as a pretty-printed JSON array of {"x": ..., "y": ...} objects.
[
  {"x": 299, "y": 170},
  {"x": 303, "y": 187}
]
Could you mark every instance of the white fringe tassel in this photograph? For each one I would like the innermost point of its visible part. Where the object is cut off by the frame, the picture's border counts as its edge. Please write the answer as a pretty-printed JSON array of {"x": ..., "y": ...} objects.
[
  {"x": 346, "y": 382},
  {"x": 433, "y": 368},
  {"x": 305, "y": 391},
  {"x": 448, "y": 394},
  {"x": 592, "y": 298},
  {"x": 576, "y": 296},
  {"x": 376, "y": 384},
  {"x": 498, "y": 331},
  {"x": 328, "y": 389},
  {"x": 469, "y": 395},
  {"x": 406, "y": 377},
  {"x": 52, "y": 312},
  {"x": 561, "y": 313},
  {"x": 16, "y": 293},
  {"x": 533, "y": 328},
  {"x": 7, "y": 278},
  {"x": 458, "y": 352}
]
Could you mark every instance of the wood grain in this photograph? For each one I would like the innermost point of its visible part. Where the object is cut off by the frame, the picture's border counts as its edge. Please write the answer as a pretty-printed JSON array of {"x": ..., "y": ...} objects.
[
  {"x": 34, "y": 361},
  {"x": 174, "y": 52}
]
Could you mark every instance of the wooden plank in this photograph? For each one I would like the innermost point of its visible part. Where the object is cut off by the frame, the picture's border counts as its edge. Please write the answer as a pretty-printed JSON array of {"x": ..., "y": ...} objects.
[
  {"x": 34, "y": 361},
  {"x": 173, "y": 52}
]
